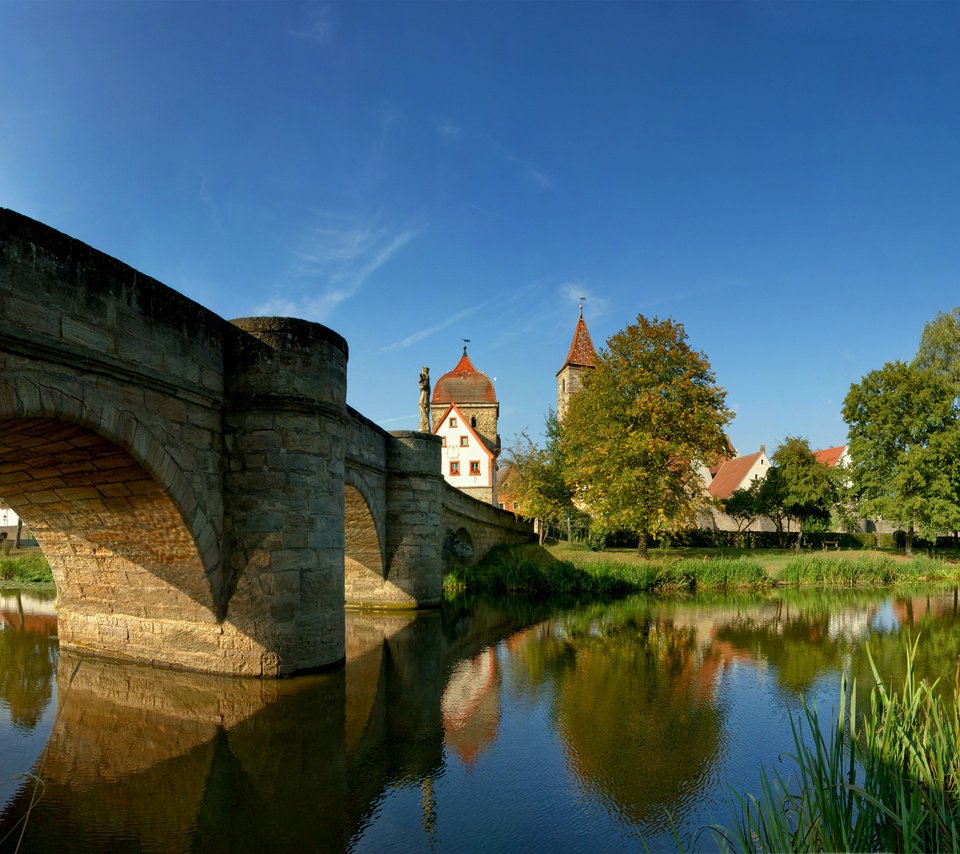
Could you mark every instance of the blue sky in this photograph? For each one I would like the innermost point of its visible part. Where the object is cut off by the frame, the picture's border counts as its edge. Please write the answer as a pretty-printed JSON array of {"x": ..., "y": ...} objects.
[{"x": 782, "y": 178}]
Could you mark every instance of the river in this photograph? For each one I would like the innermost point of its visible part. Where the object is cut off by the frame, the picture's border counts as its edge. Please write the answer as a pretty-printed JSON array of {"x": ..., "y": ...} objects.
[{"x": 484, "y": 726}]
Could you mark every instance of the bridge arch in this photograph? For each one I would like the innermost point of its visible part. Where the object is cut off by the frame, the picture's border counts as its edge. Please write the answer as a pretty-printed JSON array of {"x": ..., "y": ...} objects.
[
  {"x": 117, "y": 542},
  {"x": 23, "y": 401},
  {"x": 458, "y": 547},
  {"x": 363, "y": 550}
]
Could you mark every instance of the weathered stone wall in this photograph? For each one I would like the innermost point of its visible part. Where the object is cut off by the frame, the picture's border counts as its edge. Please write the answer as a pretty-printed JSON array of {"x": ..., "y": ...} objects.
[
  {"x": 284, "y": 428},
  {"x": 414, "y": 518},
  {"x": 111, "y": 388},
  {"x": 365, "y": 511},
  {"x": 569, "y": 383},
  {"x": 486, "y": 526}
]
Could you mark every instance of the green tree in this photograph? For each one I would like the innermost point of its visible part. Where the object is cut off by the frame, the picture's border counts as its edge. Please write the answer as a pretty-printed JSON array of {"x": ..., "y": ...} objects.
[
  {"x": 904, "y": 442},
  {"x": 808, "y": 489},
  {"x": 538, "y": 483},
  {"x": 743, "y": 506},
  {"x": 647, "y": 415},
  {"x": 771, "y": 497},
  {"x": 939, "y": 349}
]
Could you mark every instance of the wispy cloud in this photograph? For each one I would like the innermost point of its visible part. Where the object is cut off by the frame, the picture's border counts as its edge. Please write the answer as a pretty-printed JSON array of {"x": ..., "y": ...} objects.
[
  {"x": 336, "y": 256},
  {"x": 449, "y": 131},
  {"x": 502, "y": 300},
  {"x": 318, "y": 24},
  {"x": 573, "y": 292},
  {"x": 397, "y": 419},
  {"x": 450, "y": 320},
  {"x": 531, "y": 171},
  {"x": 206, "y": 198}
]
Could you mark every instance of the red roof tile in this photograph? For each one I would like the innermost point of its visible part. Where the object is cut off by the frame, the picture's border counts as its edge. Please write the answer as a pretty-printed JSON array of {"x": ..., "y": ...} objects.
[
  {"x": 731, "y": 474},
  {"x": 581, "y": 350},
  {"x": 464, "y": 384},
  {"x": 830, "y": 456}
]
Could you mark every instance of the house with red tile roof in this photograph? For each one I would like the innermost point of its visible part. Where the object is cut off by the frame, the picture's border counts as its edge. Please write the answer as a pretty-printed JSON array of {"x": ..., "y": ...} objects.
[
  {"x": 833, "y": 457},
  {"x": 727, "y": 477},
  {"x": 473, "y": 393},
  {"x": 465, "y": 410},
  {"x": 738, "y": 473}
]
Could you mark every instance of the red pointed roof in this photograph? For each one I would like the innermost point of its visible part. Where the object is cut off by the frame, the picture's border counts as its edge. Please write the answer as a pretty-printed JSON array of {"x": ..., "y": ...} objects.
[
  {"x": 464, "y": 384},
  {"x": 830, "y": 456},
  {"x": 581, "y": 352},
  {"x": 731, "y": 474}
]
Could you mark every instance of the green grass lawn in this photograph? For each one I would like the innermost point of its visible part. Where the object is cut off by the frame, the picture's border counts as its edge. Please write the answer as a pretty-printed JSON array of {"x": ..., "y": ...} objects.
[
  {"x": 572, "y": 569},
  {"x": 773, "y": 561}
]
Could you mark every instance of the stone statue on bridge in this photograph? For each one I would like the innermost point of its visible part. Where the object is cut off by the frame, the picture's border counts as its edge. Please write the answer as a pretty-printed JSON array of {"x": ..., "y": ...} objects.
[{"x": 425, "y": 400}]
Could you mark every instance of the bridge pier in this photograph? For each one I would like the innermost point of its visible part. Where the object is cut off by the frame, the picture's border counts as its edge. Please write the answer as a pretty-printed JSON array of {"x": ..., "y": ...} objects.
[
  {"x": 415, "y": 517},
  {"x": 284, "y": 519}
]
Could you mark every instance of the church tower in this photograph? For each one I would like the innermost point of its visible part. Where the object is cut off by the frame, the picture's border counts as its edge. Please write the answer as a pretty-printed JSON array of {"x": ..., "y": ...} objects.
[{"x": 581, "y": 357}]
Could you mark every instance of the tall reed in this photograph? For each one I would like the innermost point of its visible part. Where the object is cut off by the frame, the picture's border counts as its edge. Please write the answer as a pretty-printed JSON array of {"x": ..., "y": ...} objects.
[{"x": 888, "y": 782}]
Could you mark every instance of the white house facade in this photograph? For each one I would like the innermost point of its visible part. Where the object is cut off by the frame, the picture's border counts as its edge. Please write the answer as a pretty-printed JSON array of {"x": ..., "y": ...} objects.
[{"x": 467, "y": 463}]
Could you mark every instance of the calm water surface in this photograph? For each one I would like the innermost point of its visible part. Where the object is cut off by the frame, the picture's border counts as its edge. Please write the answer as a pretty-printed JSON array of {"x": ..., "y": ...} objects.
[{"x": 484, "y": 727}]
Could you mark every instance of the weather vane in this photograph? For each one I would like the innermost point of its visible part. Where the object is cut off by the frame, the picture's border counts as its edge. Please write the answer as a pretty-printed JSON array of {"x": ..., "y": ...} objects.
[
  {"x": 465, "y": 342},
  {"x": 583, "y": 299}
]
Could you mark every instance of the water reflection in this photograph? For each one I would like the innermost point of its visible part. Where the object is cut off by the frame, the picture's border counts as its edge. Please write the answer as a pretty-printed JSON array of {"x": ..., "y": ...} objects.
[
  {"x": 147, "y": 759},
  {"x": 422, "y": 738},
  {"x": 28, "y": 655}
]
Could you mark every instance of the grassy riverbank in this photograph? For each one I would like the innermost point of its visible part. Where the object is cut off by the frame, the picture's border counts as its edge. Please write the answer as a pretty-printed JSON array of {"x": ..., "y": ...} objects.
[
  {"x": 566, "y": 569},
  {"x": 24, "y": 566},
  {"x": 888, "y": 780}
]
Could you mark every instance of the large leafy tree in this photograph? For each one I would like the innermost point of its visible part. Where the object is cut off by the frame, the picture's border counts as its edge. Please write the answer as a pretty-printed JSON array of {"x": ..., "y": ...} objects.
[
  {"x": 647, "y": 415},
  {"x": 939, "y": 349},
  {"x": 537, "y": 482},
  {"x": 904, "y": 441},
  {"x": 808, "y": 489}
]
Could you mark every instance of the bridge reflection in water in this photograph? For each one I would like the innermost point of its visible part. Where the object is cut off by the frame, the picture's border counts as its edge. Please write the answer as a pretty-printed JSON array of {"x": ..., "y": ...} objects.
[
  {"x": 573, "y": 729},
  {"x": 142, "y": 758}
]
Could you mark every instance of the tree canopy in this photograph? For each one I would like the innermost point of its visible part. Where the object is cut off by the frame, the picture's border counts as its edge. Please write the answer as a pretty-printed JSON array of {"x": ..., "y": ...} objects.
[
  {"x": 904, "y": 439},
  {"x": 647, "y": 415},
  {"x": 807, "y": 489},
  {"x": 939, "y": 349},
  {"x": 537, "y": 482}
]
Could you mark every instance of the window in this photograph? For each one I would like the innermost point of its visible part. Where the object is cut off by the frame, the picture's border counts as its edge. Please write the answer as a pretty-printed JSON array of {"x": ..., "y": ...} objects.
[
  {"x": 443, "y": 441},
  {"x": 500, "y": 505},
  {"x": 475, "y": 467},
  {"x": 464, "y": 441},
  {"x": 473, "y": 420},
  {"x": 454, "y": 468},
  {"x": 515, "y": 505},
  {"x": 453, "y": 422}
]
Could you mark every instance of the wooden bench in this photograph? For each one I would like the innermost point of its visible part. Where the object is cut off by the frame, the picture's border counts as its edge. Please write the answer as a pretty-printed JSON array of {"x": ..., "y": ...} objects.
[{"x": 832, "y": 544}]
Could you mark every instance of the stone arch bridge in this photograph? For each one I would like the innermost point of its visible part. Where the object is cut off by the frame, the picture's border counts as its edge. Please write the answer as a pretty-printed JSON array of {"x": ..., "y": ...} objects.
[{"x": 203, "y": 492}]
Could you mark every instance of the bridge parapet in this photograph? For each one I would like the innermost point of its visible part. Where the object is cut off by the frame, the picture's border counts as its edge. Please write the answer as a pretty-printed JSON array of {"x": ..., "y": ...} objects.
[{"x": 474, "y": 527}]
